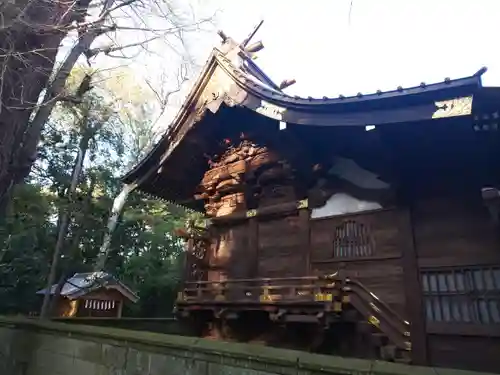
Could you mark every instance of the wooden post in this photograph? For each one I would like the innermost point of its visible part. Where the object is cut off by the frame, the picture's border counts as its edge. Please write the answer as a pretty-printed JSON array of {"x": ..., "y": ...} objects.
[
  {"x": 253, "y": 246},
  {"x": 413, "y": 296},
  {"x": 396, "y": 156},
  {"x": 305, "y": 231},
  {"x": 120, "y": 309}
]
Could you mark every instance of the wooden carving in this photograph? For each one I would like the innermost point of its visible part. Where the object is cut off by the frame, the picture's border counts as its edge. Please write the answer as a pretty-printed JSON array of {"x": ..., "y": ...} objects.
[
  {"x": 271, "y": 110},
  {"x": 453, "y": 107},
  {"x": 244, "y": 176},
  {"x": 198, "y": 260}
]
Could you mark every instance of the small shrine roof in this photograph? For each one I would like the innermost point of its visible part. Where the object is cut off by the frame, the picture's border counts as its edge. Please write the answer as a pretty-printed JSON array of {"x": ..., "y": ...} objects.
[{"x": 81, "y": 284}]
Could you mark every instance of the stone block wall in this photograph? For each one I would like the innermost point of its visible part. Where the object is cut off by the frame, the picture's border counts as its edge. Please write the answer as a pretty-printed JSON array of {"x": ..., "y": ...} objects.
[
  {"x": 29, "y": 347},
  {"x": 169, "y": 326}
]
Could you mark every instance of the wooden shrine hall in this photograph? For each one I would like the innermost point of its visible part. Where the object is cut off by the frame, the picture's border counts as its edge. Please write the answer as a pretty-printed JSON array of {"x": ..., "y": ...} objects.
[
  {"x": 363, "y": 226},
  {"x": 94, "y": 294}
]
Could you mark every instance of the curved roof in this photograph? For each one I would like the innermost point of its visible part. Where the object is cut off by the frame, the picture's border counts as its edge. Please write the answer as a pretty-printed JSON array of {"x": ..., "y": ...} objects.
[
  {"x": 232, "y": 79},
  {"x": 275, "y": 95}
]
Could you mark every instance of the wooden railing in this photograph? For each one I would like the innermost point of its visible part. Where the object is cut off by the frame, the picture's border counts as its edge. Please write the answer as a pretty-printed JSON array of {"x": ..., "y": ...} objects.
[
  {"x": 264, "y": 290},
  {"x": 330, "y": 292}
]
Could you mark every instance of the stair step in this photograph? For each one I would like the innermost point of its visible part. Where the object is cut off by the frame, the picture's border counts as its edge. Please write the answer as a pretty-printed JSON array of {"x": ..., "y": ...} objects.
[
  {"x": 379, "y": 338},
  {"x": 388, "y": 352},
  {"x": 351, "y": 315},
  {"x": 404, "y": 356},
  {"x": 364, "y": 327}
]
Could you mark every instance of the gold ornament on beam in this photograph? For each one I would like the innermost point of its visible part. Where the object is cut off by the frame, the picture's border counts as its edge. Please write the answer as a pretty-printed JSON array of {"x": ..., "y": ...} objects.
[
  {"x": 453, "y": 107},
  {"x": 303, "y": 204},
  {"x": 271, "y": 110},
  {"x": 251, "y": 213}
]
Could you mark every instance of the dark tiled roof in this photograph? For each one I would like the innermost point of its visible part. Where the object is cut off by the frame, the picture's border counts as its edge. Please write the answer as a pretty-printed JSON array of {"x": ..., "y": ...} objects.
[{"x": 84, "y": 283}]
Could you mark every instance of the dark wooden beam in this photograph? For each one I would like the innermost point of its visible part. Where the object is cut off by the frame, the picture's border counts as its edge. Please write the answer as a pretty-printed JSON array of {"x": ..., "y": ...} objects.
[{"x": 276, "y": 209}]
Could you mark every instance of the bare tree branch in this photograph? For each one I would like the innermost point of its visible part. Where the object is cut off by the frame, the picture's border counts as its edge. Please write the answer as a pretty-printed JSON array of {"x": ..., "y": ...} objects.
[{"x": 33, "y": 77}]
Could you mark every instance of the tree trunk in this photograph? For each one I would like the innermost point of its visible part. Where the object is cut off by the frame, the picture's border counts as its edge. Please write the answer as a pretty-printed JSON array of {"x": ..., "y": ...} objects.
[
  {"x": 116, "y": 210},
  {"x": 29, "y": 46},
  {"x": 72, "y": 265},
  {"x": 65, "y": 219}
]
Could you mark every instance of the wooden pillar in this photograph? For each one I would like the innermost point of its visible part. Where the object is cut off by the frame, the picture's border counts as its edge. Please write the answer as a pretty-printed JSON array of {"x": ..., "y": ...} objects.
[
  {"x": 305, "y": 233},
  {"x": 253, "y": 246},
  {"x": 120, "y": 309},
  {"x": 413, "y": 295},
  {"x": 74, "y": 306},
  {"x": 397, "y": 157}
]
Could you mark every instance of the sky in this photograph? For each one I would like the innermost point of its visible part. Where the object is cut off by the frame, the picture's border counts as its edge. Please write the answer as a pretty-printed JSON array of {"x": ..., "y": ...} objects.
[
  {"x": 383, "y": 44},
  {"x": 334, "y": 47}
]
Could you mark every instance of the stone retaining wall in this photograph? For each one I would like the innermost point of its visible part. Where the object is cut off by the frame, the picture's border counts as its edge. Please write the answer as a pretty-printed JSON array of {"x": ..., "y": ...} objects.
[
  {"x": 168, "y": 326},
  {"x": 31, "y": 347}
]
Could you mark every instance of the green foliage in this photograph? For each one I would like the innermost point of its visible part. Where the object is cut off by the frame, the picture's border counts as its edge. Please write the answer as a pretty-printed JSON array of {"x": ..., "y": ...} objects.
[
  {"x": 25, "y": 235},
  {"x": 143, "y": 253}
]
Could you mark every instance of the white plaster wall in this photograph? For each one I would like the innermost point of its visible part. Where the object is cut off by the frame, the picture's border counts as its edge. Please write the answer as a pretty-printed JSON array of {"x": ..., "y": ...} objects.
[{"x": 341, "y": 204}]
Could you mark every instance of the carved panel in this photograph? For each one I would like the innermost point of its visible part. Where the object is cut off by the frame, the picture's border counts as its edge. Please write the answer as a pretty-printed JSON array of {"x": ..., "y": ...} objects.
[
  {"x": 198, "y": 261},
  {"x": 453, "y": 107},
  {"x": 200, "y": 249},
  {"x": 271, "y": 110}
]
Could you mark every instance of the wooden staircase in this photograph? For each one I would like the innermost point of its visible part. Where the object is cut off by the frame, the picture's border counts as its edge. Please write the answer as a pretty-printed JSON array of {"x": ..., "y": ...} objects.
[
  {"x": 318, "y": 300},
  {"x": 388, "y": 332}
]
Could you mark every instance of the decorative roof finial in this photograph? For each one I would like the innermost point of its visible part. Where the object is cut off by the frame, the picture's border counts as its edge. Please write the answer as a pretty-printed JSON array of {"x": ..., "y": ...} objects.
[
  {"x": 481, "y": 71},
  {"x": 223, "y": 35},
  {"x": 287, "y": 83},
  {"x": 252, "y": 34},
  {"x": 254, "y": 47}
]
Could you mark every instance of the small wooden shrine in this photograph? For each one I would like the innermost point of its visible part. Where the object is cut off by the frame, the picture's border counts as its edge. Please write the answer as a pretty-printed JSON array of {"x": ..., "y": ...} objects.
[
  {"x": 362, "y": 226},
  {"x": 96, "y": 294}
]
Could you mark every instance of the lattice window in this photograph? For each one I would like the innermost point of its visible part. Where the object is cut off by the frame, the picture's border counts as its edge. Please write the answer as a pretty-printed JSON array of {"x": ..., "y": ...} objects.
[
  {"x": 352, "y": 239},
  {"x": 462, "y": 295},
  {"x": 99, "y": 304}
]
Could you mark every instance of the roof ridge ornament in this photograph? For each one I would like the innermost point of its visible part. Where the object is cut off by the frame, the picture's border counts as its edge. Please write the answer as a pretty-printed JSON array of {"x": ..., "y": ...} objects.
[
  {"x": 286, "y": 83},
  {"x": 481, "y": 71},
  {"x": 245, "y": 53},
  {"x": 223, "y": 36},
  {"x": 251, "y": 35}
]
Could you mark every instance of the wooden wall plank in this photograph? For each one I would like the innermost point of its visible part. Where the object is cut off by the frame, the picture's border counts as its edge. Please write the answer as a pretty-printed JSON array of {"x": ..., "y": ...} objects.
[
  {"x": 456, "y": 229},
  {"x": 383, "y": 278},
  {"x": 465, "y": 352},
  {"x": 279, "y": 247},
  {"x": 413, "y": 291}
]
